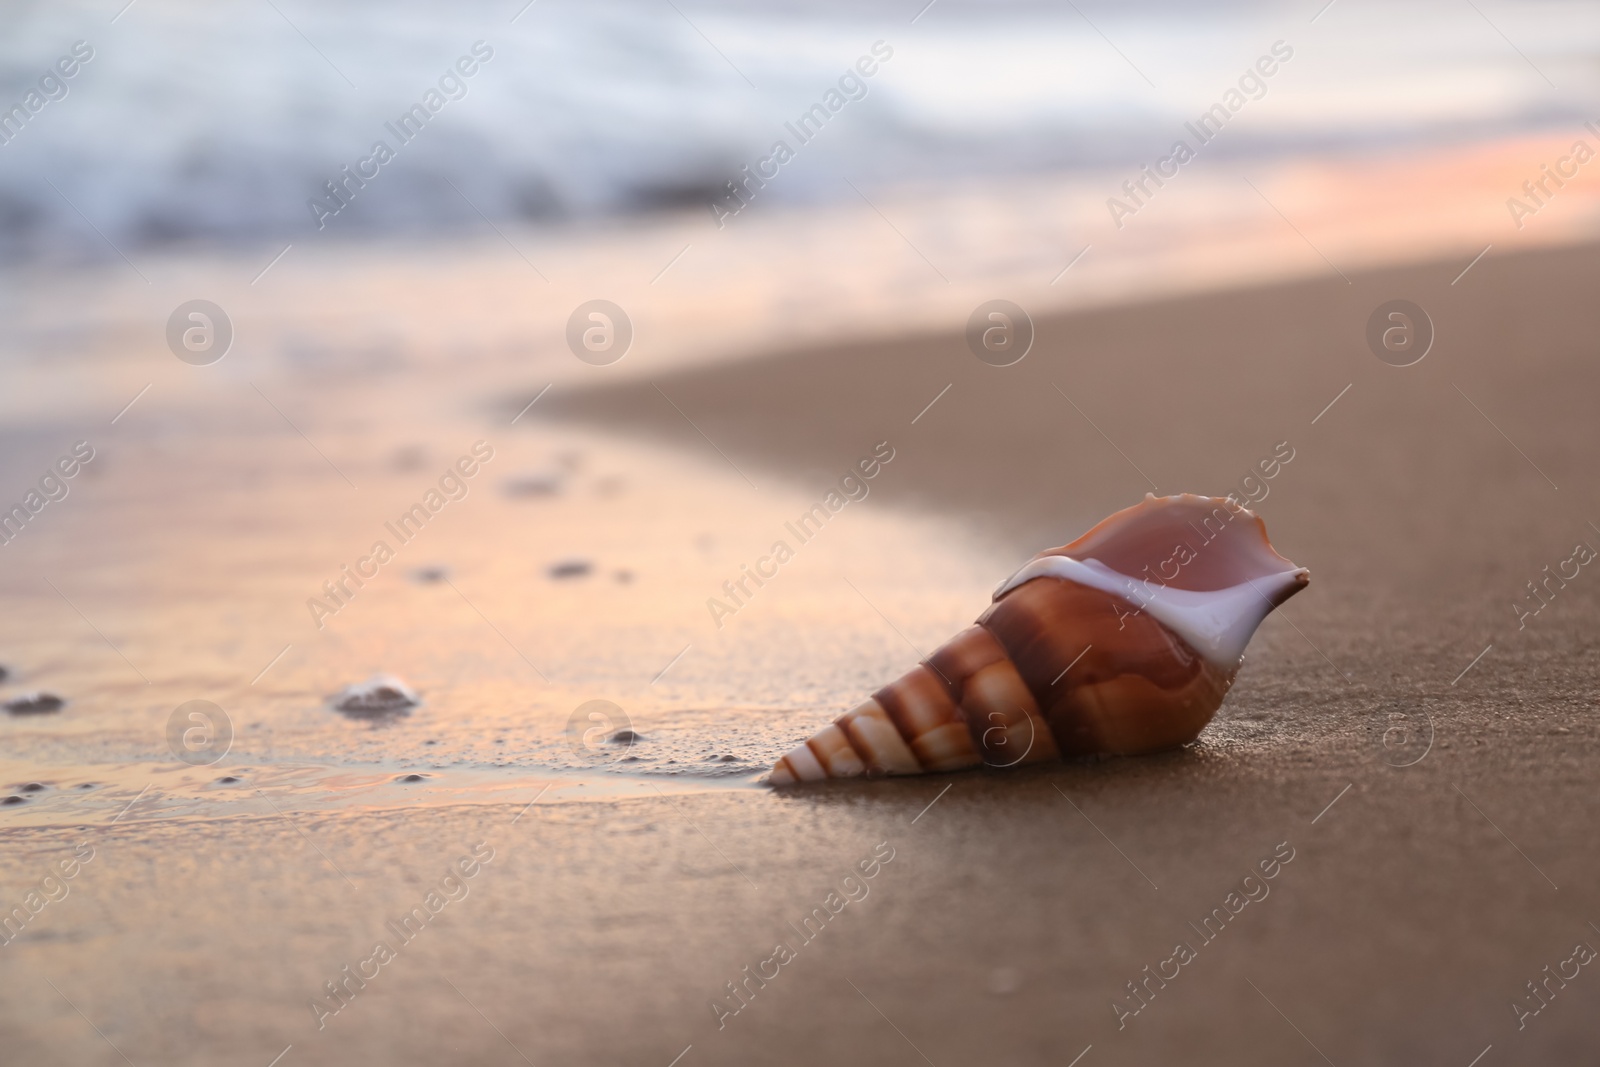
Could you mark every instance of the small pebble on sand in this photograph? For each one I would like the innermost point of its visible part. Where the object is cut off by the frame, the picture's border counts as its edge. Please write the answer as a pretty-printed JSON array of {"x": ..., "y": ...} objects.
[
  {"x": 411, "y": 778},
  {"x": 533, "y": 485},
  {"x": 570, "y": 568},
  {"x": 34, "y": 704}
]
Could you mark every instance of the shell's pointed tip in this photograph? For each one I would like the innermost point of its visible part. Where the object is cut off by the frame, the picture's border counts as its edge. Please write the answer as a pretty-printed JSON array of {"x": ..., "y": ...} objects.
[{"x": 781, "y": 776}]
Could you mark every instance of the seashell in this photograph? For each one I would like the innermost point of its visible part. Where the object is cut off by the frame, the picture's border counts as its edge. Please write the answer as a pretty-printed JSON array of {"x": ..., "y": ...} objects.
[
  {"x": 1123, "y": 642},
  {"x": 380, "y": 695}
]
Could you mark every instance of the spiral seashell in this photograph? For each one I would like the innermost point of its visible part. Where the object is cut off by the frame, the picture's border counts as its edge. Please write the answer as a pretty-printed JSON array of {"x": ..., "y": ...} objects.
[{"x": 1122, "y": 642}]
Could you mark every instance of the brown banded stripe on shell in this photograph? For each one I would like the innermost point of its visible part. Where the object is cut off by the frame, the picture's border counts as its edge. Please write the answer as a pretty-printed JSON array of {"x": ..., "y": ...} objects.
[
  {"x": 1124, "y": 641},
  {"x": 1001, "y": 693}
]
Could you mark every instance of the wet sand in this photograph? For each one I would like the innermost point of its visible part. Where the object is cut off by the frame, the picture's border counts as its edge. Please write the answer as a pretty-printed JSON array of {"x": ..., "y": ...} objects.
[
  {"x": 1017, "y": 906},
  {"x": 1423, "y": 500}
]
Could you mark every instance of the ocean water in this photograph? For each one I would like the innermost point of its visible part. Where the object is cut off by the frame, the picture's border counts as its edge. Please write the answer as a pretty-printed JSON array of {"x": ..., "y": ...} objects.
[{"x": 214, "y": 123}]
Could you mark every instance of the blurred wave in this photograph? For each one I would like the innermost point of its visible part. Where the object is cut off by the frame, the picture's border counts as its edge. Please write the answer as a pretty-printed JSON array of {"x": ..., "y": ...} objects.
[{"x": 219, "y": 123}]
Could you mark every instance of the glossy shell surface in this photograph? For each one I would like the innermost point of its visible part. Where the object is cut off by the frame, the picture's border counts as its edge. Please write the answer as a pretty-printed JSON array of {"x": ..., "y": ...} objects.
[{"x": 1122, "y": 642}]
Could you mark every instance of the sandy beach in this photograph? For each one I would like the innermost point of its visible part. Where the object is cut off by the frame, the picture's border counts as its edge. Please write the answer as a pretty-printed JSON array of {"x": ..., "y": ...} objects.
[
  {"x": 618, "y": 905},
  {"x": 449, "y": 454}
]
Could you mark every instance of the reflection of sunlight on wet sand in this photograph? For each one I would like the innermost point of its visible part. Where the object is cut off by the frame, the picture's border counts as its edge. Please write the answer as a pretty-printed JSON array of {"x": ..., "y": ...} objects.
[{"x": 500, "y": 649}]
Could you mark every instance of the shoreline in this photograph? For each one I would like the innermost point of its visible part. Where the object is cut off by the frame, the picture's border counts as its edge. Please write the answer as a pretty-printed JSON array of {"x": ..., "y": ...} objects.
[{"x": 608, "y": 928}]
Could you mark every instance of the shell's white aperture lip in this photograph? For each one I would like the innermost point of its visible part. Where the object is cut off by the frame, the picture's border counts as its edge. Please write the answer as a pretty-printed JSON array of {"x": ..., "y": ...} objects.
[{"x": 1216, "y": 623}]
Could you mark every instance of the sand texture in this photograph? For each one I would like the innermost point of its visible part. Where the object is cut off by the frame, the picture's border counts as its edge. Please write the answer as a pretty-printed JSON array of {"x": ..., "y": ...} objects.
[{"x": 1006, "y": 913}]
